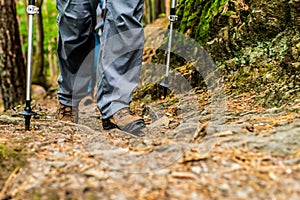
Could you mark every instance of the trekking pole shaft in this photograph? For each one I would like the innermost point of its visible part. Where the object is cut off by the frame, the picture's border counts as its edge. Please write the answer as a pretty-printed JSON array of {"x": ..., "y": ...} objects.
[
  {"x": 172, "y": 19},
  {"x": 29, "y": 57},
  {"x": 31, "y": 11},
  {"x": 169, "y": 49},
  {"x": 172, "y": 11}
]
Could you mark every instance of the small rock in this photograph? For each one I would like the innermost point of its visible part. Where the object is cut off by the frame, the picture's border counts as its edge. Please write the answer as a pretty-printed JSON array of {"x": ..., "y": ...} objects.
[
  {"x": 196, "y": 169},
  {"x": 58, "y": 164},
  {"x": 99, "y": 174}
]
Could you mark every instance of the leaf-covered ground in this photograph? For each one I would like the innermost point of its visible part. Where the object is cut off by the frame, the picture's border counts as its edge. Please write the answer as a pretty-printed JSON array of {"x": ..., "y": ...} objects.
[
  {"x": 188, "y": 153},
  {"x": 198, "y": 146}
]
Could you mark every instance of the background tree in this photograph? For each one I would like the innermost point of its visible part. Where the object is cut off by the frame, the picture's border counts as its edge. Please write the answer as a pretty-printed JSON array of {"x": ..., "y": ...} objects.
[
  {"x": 159, "y": 8},
  {"x": 38, "y": 73},
  {"x": 39, "y": 76},
  {"x": 154, "y": 9},
  {"x": 12, "y": 67}
]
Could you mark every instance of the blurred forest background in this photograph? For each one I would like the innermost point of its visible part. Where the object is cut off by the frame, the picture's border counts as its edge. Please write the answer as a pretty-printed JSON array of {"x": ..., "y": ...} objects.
[
  {"x": 45, "y": 63},
  {"x": 255, "y": 44}
]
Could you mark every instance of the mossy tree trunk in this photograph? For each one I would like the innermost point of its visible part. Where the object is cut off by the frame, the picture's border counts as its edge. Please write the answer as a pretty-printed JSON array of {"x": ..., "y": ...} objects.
[
  {"x": 255, "y": 43},
  {"x": 196, "y": 16}
]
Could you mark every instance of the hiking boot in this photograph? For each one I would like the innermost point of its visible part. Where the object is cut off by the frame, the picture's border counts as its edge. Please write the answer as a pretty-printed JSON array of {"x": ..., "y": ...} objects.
[
  {"x": 126, "y": 121},
  {"x": 67, "y": 113}
]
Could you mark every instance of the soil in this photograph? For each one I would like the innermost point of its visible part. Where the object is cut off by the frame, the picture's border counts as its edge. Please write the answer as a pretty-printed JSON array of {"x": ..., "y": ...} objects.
[{"x": 190, "y": 151}]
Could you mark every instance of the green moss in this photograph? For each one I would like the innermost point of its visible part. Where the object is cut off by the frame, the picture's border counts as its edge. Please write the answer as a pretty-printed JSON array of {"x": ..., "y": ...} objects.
[
  {"x": 259, "y": 51},
  {"x": 210, "y": 10},
  {"x": 10, "y": 158},
  {"x": 6, "y": 152},
  {"x": 197, "y": 16}
]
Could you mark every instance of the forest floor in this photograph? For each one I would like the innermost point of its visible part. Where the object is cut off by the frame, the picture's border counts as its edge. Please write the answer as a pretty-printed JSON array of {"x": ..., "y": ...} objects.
[
  {"x": 195, "y": 148},
  {"x": 191, "y": 151}
]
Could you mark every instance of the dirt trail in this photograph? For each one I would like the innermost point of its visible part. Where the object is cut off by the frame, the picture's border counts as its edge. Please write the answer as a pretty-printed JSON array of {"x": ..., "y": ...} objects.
[{"x": 189, "y": 153}]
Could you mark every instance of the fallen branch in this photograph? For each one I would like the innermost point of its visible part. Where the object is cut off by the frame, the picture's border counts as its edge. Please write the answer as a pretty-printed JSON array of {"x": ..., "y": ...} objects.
[{"x": 8, "y": 181}]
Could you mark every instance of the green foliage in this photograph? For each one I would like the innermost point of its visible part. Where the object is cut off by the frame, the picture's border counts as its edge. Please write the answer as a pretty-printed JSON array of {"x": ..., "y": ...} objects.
[
  {"x": 50, "y": 26},
  {"x": 49, "y": 14},
  {"x": 22, "y": 15},
  {"x": 50, "y": 30}
]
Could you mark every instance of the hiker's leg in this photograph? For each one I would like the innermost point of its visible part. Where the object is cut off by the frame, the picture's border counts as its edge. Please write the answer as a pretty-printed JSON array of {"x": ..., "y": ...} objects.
[
  {"x": 76, "y": 21},
  {"x": 121, "y": 55}
]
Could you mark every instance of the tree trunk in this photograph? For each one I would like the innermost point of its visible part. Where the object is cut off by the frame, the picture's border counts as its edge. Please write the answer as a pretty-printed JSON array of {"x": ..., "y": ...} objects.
[
  {"x": 160, "y": 8},
  {"x": 12, "y": 67},
  {"x": 147, "y": 12},
  {"x": 38, "y": 67}
]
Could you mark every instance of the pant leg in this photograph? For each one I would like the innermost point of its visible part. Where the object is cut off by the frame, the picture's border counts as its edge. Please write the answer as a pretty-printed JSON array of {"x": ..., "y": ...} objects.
[
  {"x": 120, "y": 57},
  {"x": 76, "y": 21}
]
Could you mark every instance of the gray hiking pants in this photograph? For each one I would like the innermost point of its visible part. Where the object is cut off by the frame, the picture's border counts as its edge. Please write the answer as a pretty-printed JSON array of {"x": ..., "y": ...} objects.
[{"x": 120, "y": 56}]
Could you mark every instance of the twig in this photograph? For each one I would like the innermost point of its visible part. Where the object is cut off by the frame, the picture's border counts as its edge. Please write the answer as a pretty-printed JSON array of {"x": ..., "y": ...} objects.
[{"x": 8, "y": 181}]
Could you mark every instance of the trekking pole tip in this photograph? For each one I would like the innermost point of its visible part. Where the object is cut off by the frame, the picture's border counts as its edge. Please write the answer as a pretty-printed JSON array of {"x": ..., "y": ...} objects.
[
  {"x": 165, "y": 85},
  {"x": 27, "y": 113}
]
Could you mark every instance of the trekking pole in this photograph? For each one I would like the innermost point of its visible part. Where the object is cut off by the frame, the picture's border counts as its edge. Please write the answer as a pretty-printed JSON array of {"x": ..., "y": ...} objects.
[
  {"x": 27, "y": 113},
  {"x": 172, "y": 18}
]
